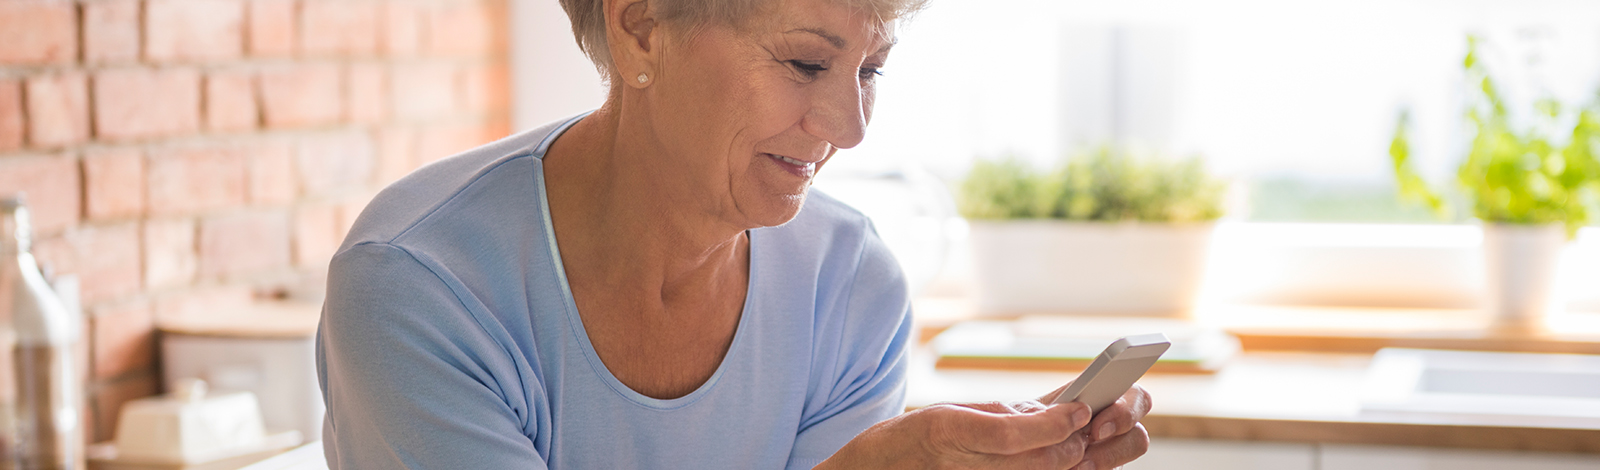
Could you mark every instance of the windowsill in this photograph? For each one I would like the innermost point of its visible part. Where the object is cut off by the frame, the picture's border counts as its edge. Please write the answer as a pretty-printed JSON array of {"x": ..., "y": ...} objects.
[
  {"x": 1341, "y": 329},
  {"x": 1382, "y": 286},
  {"x": 1372, "y": 265}
]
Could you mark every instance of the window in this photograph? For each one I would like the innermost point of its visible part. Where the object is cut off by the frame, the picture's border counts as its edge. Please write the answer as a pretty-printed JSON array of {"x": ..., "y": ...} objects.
[{"x": 1294, "y": 100}]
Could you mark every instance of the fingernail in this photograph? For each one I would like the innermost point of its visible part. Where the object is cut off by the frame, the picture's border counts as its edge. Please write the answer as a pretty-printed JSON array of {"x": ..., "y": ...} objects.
[
  {"x": 1081, "y": 416},
  {"x": 1105, "y": 431}
]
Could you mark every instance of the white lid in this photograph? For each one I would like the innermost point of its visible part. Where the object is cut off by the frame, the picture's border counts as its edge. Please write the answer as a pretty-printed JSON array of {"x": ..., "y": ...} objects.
[{"x": 190, "y": 425}]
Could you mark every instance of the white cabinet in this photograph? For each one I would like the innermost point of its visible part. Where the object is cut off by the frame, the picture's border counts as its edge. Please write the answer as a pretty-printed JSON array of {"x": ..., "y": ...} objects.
[
  {"x": 1194, "y": 454},
  {"x": 1364, "y": 457}
]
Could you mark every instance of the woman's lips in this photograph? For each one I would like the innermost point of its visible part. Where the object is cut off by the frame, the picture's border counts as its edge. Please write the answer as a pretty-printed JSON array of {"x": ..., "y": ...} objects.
[{"x": 795, "y": 167}]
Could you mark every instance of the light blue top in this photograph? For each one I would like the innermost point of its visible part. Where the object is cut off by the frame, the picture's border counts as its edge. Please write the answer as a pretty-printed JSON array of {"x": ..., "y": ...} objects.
[{"x": 450, "y": 339}]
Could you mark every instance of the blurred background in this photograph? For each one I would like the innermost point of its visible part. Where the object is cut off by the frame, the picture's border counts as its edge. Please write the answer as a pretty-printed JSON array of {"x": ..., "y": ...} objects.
[
  {"x": 194, "y": 163},
  {"x": 189, "y": 158}
]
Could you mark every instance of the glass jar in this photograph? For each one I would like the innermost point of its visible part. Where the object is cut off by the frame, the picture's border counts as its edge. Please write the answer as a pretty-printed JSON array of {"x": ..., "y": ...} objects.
[{"x": 40, "y": 423}]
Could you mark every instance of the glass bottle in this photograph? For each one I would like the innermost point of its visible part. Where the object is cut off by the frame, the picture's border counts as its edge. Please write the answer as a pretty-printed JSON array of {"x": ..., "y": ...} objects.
[{"x": 38, "y": 389}]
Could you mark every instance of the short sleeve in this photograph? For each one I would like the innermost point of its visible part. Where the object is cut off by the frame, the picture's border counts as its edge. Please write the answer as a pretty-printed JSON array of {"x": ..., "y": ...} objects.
[
  {"x": 867, "y": 381},
  {"x": 410, "y": 379}
]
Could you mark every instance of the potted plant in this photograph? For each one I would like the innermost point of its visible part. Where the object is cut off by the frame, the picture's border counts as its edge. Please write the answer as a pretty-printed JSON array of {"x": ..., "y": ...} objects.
[
  {"x": 1530, "y": 180},
  {"x": 1109, "y": 232}
]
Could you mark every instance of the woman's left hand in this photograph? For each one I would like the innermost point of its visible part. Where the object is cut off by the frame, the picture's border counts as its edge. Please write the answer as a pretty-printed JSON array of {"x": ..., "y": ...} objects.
[{"x": 1115, "y": 435}]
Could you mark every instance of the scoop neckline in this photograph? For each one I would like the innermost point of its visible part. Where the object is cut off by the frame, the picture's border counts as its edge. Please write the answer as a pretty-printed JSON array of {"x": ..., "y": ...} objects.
[{"x": 575, "y": 321}]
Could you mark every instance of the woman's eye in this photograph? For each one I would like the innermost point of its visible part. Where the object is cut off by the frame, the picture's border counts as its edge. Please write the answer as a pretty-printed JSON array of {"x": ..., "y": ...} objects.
[
  {"x": 810, "y": 69},
  {"x": 869, "y": 73}
]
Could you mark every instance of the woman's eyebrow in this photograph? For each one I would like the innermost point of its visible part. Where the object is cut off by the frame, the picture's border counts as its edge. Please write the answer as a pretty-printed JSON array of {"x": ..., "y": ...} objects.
[
  {"x": 836, "y": 41},
  {"x": 887, "y": 46}
]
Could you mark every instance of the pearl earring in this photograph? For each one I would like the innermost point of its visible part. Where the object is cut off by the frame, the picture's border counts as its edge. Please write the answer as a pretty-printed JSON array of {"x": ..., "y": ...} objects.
[{"x": 643, "y": 78}]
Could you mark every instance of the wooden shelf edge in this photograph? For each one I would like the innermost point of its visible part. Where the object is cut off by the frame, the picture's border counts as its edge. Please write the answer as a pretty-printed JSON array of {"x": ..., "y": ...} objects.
[
  {"x": 1370, "y": 343},
  {"x": 1058, "y": 365},
  {"x": 1375, "y": 433}
]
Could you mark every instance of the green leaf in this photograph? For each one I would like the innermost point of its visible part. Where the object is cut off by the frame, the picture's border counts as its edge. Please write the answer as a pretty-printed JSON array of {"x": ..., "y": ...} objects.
[
  {"x": 1519, "y": 176},
  {"x": 1101, "y": 184}
]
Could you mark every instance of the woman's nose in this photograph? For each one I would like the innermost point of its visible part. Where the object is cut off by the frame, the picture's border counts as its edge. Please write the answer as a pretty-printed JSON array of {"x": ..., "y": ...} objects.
[{"x": 838, "y": 113}]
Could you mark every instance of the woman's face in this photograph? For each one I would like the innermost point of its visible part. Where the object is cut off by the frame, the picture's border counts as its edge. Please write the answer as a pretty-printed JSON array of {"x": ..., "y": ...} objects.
[{"x": 750, "y": 114}]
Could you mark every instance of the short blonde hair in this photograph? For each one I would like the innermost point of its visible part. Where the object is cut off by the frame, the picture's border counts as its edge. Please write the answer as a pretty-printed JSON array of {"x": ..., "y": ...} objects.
[{"x": 589, "y": 22}]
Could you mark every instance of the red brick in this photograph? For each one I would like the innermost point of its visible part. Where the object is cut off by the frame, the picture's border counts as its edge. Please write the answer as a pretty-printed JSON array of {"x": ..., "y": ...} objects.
[
  {"x": 271, "y": 173},
  {"x": 111, "y": 31},
  {"x": 11, "y": 118},
  {"x": 423, "y": 91},
  {"x": 487, "y": 88},
  {"x": 38, "y": 32},
  {"x": 437, "y": 142},
  {"x": 123, "y": 339},
  {"x": 106, "y": 260},
  {"x": 301, "y": 96},
  {"x": 58, "y": 109},
  {"x": 197, "y": 305},
  {"x": 316, "y": 235},
  {"x": 230, "y": 102},
  {"x": 272, "y": 28},
  {"x": 366, "y": 94},
  {"x": 397, "y": 150},
  {"x": 338, "y": 27},
  {"x": 139, "y": 103},
  {"x": 238, "y": 244},
  {"x": 334, "y": 163},
  {"x": 463, "y": 29},
  {"x": 497, "y": 128},
  {"x": 53, "y": 187},
  {"x": 402, "y": 25},
  {"x": 86, "y": 252},
  {"x": 113, "y": 183},
  {"x": 193, "y": 179},
  {"x": 170, "y": 259},
  {"x": 107, "y": 400},
  {"x": 193, "y": 30}
]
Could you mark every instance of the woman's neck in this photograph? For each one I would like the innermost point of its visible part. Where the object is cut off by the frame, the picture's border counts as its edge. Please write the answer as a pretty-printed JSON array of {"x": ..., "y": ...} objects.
[{"x": 630, "y": 224}]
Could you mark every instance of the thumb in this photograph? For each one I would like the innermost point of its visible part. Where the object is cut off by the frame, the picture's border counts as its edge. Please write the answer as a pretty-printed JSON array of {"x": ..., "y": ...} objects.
[{"x": 1007, "y": 434}]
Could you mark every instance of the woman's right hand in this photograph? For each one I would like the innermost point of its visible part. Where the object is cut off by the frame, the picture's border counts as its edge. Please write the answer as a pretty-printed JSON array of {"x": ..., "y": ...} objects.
[{"x": 972, "y": 435}]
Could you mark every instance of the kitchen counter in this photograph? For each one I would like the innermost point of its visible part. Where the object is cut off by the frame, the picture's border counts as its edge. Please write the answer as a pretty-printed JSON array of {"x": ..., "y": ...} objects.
[{"x": 1273, "y": 396}]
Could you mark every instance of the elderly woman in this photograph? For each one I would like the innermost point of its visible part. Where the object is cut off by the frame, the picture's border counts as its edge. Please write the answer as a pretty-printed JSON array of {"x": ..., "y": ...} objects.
[{"x": 651, "y": 285}]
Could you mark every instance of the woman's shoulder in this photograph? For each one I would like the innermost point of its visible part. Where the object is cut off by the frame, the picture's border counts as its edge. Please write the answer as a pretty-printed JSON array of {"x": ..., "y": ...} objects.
[{"x": 506, "y": 168}]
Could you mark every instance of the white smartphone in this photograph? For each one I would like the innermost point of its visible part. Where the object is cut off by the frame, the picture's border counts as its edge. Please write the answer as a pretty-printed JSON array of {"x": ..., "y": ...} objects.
[{"x": 1115, "y": 370}]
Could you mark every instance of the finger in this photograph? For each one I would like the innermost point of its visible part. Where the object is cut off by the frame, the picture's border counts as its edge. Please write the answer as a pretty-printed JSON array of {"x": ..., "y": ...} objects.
[
  {"x": 1117, "y": 451},
  {"x": 1140, "y": 396},
  {"x": 1006, "y": 434},
  {"x": 1051, "y": 397},
  {"x": 1028, "y": 406},
  {"x": 1062, "y": 455},
  {"x": 987, "y": 407},
  {"x": 1015, "y": 407},
  {"x": 1122, "y": 415}
]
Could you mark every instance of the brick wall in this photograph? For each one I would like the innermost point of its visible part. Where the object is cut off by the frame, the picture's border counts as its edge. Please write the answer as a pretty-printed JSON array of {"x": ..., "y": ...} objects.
[{"x": 181, "y": 153}]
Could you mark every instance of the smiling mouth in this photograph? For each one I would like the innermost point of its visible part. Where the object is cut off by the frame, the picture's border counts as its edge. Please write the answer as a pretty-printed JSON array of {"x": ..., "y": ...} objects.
[{"x": 798, "y": 168}]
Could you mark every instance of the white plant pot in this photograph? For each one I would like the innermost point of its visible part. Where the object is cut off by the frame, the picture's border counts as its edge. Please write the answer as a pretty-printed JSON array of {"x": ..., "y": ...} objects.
[
  {"x": 1047, "y": 266},
  {"x": 1520, "y": 263}
]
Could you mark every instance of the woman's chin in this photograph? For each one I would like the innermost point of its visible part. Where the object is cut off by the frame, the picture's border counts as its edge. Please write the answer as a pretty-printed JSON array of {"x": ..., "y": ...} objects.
[{"x": 775, "y": 210}]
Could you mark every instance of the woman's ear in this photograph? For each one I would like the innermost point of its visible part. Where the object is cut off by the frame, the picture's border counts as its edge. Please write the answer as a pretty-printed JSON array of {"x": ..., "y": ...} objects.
[{"x": 634, "y": 39}]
